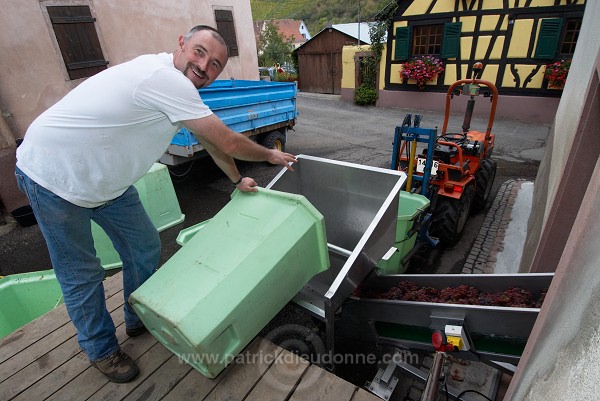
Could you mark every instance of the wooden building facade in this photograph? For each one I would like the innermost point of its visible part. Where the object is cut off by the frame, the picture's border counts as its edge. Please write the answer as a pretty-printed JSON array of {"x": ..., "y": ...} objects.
[{"x": 320, "y": 61}]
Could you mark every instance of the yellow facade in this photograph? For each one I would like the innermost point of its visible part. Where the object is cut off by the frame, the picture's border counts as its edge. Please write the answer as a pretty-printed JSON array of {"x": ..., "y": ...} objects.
[
  {"x": 443, "y": 7},
  {"x": 450, "y": 73},
  {"x": 466, "y": 44},
  {"x": 518, "y": 46},
  {"x": 483, "y": 43},
  {"x": 544, "y": 3},
  {"x": 490, "y": 72},
  {"x": 349, "y": 69},
  {"x": 418, "y": 7},
  {"x": 492, "y": 5},
  {"x": 523, "y": 71},
  {"x": 395, "y": 74},
  {"x": 382, "y": 63},
  {"x": 486, "y": 30},
  {"x": 468, "y": 23}
]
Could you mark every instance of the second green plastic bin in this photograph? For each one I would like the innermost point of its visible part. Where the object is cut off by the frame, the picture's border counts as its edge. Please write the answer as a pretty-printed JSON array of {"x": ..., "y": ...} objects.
[
  {"x": 209, "y": 300},
  {"x": 410, "y": 208},
  {"x": 160, "y": 201}
]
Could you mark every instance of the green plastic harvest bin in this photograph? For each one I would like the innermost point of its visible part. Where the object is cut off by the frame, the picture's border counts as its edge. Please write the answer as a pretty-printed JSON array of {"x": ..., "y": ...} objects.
[
  {"x": 410, "y": 207},
  {"x": 24, "y": 297},
  {"x": 160, "y": 201},
  {"x": 209, "y": 300}
]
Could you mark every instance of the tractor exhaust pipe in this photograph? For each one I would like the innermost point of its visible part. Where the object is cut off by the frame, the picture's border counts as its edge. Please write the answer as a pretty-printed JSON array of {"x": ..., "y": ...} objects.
[{"x": 468, "y": 115}]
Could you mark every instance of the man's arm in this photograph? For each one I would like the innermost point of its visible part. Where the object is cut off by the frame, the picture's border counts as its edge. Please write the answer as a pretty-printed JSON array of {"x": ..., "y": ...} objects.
[
  {"x": 227, "y": 164},
  {"x": 215, "y": 132}
]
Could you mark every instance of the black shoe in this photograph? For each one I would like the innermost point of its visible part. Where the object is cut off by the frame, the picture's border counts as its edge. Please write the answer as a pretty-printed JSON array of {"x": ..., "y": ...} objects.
[
  {"x": 118, "y": 367},
  {"x": 138, "y": 331}
]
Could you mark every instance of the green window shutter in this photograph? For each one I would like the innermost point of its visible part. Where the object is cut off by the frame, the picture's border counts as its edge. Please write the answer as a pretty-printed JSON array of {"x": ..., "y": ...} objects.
[
  {"x": 548, "y": 38},
  {"x": 402, "y": 43},
  {"x": 451, "y": 40}
]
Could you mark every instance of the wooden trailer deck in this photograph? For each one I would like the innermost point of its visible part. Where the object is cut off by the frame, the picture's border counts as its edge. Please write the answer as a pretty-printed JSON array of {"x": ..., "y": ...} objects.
[{"x": 42, "y": 361}]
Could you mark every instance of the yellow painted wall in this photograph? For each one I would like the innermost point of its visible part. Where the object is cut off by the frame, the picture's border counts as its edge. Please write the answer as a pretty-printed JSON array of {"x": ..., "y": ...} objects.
[
  {"x": 490, "y": 72},
  {"x": 483, "y": 42},
  {"x": 399, "y": 24},
  {"x": 523, "y": 70},
  {"x": 348, "y": 68},
  {"x": 465, "y": 47},
  {"x": 492, "y": 4},
  {"x": 508, "y": 81},
  {"x": 520, "y": 38},
  {"x": 450, "y": 74},
  {"x": 488, "y": 22},
  {"x": 498, "y": 47},
  {"x": 504, "y": 22},
  {"x": 446, "y": 6},
  {"x": 418, "y": 7},
  {"x": 395, "y": 73},
  {"x": 544, "y": 3},
  {"x": 468, "y": 23}
]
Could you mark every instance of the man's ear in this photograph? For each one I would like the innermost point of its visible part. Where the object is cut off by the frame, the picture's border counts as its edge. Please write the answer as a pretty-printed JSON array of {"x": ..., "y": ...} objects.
[{"x": 181, "y": 41}]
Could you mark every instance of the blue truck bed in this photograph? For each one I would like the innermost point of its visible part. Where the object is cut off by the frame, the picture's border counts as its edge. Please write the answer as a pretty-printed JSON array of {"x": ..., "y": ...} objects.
[{"x": 257, "y": 109}]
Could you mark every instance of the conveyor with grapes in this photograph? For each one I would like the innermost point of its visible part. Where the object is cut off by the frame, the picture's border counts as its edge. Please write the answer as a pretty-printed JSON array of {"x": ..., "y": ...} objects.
[{"x": 477, "y": 316}]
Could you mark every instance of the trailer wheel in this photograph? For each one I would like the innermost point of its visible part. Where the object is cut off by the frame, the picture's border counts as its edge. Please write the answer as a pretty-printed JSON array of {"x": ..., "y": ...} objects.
[
  {"x": 450, "y": 216},
  {"x": 484, "y": 179},
  {"x": 274, "y": 140}
]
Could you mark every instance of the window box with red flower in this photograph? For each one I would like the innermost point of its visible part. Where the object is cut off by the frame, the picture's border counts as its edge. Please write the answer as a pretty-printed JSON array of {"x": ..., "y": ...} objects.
[
  {"x": 421, "y": 70},
  {"x": 556, "y": 73}
]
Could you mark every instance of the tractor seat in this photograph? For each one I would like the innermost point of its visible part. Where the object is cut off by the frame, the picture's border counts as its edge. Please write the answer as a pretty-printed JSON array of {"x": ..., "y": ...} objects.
[{"x": 444, "y": 153}]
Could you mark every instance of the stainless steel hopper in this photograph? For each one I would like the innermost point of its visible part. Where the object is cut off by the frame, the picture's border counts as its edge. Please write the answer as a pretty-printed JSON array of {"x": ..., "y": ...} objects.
[{"x": 360, "y": 206}]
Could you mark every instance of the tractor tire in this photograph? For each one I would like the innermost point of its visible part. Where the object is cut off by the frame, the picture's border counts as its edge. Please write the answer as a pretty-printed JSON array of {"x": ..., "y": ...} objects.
[
  {"x": 451, "y": 215},
  {"x": 484, "y": 179},
  {"x": 274, "y": 140}
]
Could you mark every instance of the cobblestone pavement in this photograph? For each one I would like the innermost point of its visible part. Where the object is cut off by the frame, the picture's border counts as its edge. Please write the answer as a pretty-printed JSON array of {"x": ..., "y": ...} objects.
[{"x": 490, "y": 239}]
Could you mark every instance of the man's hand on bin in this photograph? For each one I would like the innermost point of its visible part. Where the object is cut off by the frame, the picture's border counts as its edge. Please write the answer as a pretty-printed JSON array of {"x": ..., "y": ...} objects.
[
  {"x": 282, "y": 158},
  {"x": 247, "y": 185}
]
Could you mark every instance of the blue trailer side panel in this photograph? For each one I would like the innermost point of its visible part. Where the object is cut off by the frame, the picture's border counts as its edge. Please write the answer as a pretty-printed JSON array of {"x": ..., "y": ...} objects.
[{"x": 244, "y": 106}]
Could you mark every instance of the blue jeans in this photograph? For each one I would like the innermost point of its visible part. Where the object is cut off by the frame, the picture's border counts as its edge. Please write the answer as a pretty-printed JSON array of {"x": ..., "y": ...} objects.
[{"x": 67, "y": 231}]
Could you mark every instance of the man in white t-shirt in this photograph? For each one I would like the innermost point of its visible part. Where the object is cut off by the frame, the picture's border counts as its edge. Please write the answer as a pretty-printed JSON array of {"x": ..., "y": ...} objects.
[{"x": 80, "y": 158}]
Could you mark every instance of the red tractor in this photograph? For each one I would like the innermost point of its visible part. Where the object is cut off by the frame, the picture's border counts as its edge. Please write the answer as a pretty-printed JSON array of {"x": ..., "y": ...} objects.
[{"x": 455, "y": 170}]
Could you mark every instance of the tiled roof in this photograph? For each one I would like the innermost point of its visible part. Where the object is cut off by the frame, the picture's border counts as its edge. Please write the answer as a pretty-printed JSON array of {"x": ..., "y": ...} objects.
[{"x": 287, "y": 27}]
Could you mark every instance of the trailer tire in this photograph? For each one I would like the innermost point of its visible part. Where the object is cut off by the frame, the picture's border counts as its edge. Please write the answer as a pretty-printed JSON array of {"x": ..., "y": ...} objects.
[
  {"x": 484, "y": 180},
  {"x": 451, "y": 215},
  {"x": 274, "y": 140}
]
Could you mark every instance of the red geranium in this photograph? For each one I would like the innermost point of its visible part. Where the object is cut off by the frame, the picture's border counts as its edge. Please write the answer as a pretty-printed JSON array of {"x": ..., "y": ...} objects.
[
  {"x": 422, "y": 70},
  {"x": 556, "y": 73}
]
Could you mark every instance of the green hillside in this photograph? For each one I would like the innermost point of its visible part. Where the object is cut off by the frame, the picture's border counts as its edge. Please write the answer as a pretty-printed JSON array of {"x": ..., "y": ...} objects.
[{"x": 316, "y": 14}]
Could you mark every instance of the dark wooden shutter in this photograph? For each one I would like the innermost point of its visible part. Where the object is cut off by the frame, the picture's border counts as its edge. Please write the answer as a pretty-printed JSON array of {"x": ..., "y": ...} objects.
[
  {"x": 77, "y": 39},
  {"x": 451, "y": 40},
  {"x": 226, "y": 27},
  {"x": 548, "y": 38},
  {"x": 402, "y": 43}
]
